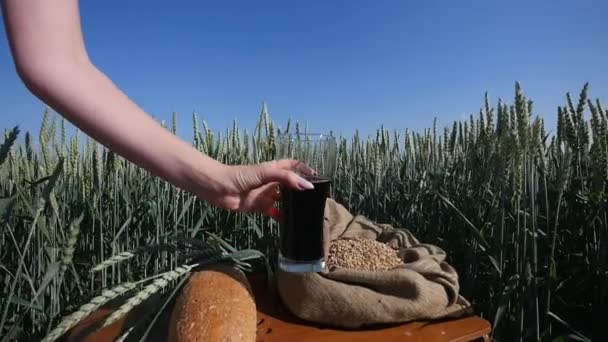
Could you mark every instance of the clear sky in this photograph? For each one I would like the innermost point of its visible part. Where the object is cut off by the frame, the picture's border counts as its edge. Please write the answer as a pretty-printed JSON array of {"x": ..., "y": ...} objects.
[{"x": 339, "y": 65}]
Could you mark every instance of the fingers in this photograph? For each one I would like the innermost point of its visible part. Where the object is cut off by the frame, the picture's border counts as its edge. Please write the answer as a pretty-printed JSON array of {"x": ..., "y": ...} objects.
[
  {"x": 273, "y": 193},
  {"x": 283, "y": 171},
  {"x": 261, "y": 182},
  {"x": 288, "y": 171},
  {"x": 264, "y": 199},
  {"x": 269, "y": 191},
  {"x": 289, "y": 178},
  {"x": 295, "y": 165}
]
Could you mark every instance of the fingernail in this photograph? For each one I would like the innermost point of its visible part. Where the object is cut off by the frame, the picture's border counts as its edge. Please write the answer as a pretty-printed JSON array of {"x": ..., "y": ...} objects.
[{"x": 303, "y": 183}]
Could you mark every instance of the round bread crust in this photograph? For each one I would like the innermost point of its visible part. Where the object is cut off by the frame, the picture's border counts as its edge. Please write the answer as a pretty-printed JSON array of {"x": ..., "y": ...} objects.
[{"x": 216, "y": 304}]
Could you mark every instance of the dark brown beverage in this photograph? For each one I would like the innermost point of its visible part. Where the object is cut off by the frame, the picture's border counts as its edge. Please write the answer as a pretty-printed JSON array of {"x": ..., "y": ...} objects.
[{"x": 302, "y": 238}]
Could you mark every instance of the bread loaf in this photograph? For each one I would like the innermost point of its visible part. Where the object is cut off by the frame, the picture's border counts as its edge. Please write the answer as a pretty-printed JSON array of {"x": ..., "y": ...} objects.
[{"x": 216, "y": 304}]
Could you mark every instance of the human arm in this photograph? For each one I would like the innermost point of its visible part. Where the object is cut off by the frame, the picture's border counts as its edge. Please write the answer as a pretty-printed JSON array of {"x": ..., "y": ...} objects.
[{"x": 50, "y": 57}]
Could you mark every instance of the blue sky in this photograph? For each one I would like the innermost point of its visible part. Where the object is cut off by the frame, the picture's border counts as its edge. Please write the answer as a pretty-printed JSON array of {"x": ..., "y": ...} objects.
[{"x": 340, "y": 65}]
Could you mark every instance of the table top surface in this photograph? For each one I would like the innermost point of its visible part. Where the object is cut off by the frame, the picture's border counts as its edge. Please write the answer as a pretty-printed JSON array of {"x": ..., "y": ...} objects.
[{"x": 276, "y": 323}]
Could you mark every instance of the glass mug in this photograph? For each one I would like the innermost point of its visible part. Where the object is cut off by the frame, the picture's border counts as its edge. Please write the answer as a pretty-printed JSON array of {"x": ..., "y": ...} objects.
[{"x": 302, "y": 234}]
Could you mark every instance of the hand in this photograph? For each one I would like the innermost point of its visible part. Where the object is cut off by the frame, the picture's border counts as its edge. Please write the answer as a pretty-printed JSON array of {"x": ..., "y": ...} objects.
[
  {"x": 254, "y": 188},
  {"x": 47, "y": 44}
]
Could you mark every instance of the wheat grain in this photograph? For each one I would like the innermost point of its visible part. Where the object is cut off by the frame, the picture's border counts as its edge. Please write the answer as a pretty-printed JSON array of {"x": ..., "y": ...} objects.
[{"x": 362, "y": 255}]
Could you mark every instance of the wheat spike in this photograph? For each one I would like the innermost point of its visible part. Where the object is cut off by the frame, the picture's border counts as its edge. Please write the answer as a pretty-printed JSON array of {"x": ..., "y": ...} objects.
[
  {"x": 129, "y": 254},
  {"x": 195, "y": 130},
  {"x": 113, "y": 260},
  {"x": 44, "y": 139},
  {"x": 68, "y": 251},
  {"x": 71, "y": 320},
  {"x": 174, "y": 123},
  {"x": 148, "y": 291},
  {"x": 9, "y": 141}
]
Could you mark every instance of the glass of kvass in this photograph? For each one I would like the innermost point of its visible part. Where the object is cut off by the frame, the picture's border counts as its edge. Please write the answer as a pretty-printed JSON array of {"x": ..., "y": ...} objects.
[{"x": 302, "y": 235}]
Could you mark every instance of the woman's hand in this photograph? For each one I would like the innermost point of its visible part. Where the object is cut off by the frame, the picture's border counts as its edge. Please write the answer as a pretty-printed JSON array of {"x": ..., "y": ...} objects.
[
  {"x": 254, "y": 188},
  {"x": 50, "y": 57}
]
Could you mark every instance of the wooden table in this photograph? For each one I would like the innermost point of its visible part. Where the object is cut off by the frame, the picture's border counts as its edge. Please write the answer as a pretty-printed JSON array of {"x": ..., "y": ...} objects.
[{"x": 276, "y": 324}]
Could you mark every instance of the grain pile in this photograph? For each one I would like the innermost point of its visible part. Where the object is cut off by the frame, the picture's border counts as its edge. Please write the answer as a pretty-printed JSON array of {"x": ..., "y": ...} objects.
[{"x": 362, "y": 255}]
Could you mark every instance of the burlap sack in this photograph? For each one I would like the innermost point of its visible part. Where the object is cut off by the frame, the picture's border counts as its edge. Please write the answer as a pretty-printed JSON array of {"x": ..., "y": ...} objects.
[{"x": 425, "y": 287}]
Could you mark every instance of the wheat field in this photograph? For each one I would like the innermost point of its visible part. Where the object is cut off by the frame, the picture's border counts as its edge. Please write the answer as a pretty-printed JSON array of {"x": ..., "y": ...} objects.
[{"x": 521, "y": 210}]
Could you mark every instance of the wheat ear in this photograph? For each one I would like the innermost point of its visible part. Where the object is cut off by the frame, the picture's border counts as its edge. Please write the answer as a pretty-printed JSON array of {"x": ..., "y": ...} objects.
[
  {"x": 70, "y": 247},
  {"x": 71, "y": 320},
  {"x": 130, "y": 254},
  {"x": 148, "y": 291},
  {"x": 113, "y": 260}
]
